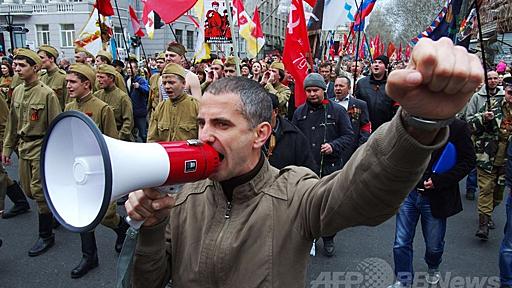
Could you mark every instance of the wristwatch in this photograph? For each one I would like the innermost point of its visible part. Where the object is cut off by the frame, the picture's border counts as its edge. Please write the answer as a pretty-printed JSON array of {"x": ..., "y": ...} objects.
[{"x": 424, "y": 123}]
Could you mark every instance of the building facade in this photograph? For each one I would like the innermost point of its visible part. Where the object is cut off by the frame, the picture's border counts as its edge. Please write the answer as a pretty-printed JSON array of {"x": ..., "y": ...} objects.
[{"x": 58, "y": 22}]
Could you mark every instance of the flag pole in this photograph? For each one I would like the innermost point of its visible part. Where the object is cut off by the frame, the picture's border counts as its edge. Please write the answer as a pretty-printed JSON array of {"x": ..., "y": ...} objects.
[
  {"x": 232, "y": 27},
  {"x": 124, "y": 38},
  {"x": 368, "y": 45},
  {"x": 99, "y": 25},
  {"x": 358, "y": 42},
  {"x": 482, "y": 47}
]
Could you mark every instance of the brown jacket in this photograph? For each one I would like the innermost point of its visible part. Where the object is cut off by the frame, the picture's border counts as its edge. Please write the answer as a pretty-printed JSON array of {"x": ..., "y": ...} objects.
[
  {"x": 263, "y": 239},
  {"x": 174, "y": 120},
  {"x": 32, "y": 110}
]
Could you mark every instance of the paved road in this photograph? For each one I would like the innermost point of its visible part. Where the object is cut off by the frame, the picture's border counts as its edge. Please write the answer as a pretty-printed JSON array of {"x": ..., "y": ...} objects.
[{"x": 364, "y": 254}]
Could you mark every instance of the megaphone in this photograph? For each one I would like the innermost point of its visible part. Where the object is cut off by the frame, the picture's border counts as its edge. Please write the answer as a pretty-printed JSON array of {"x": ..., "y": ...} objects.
[{"x": 83, "y": 171}]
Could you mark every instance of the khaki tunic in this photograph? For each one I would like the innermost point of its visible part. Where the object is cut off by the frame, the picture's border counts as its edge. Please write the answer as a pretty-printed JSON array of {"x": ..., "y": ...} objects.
[
  {"x": 103, "y": 116},
  {"x": 283, "y": 95},
  {"x": 122, "y": 107},
  {"x": 33, "y": 108},
  {"x": 154, "y": 92},
  {"x": 174, "y": 120},
  {"x": 56, "y": 79}
]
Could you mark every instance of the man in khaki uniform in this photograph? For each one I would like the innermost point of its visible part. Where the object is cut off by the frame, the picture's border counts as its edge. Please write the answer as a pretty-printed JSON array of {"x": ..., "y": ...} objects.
[
  {"x": 116, "y": 99},
  {"x": 34, "y": 106},
  {"x": 80, "y": 79},
  {"x": 174, "y": 119},
  {"x": 105, "y": 57},
  {"x": 175, "y": 53},
  {"x": 216, "y": 72},
  {"x": 7, "y": 185},
  {"x": 271, "y": 81},
  {"x": 81, "y": 55},
  {"x": 154, "y": 84},
  {"x": 54, "y": 77}
]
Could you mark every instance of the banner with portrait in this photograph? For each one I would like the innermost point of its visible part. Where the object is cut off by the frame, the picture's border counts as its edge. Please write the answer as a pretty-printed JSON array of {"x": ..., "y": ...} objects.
[{"x": 216, "y": 23}]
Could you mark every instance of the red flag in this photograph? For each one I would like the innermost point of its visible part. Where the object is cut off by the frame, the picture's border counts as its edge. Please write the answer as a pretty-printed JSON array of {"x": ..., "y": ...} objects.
[
  {"x": 169, "y": 11},
  {"x": 104, "y": 7},
  {"x": 407, "y": 52},
  {"x": 391, "y": 49},
  {"x": 257, "y": 32},
  {"x": 137, "y": 30},
  {"x": 296, "y": 49},
  {"x": 311, "y": 3},
  {"x": 362, "y": 47}
]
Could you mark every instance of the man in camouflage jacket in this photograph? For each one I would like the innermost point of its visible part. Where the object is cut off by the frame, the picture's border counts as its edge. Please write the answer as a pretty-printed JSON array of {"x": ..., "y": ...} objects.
[{"x": 491, "y": 129}]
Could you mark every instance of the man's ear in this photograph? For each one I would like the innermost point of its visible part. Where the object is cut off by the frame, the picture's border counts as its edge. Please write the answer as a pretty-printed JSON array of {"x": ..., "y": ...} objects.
[{"x": 262, "y": 131}]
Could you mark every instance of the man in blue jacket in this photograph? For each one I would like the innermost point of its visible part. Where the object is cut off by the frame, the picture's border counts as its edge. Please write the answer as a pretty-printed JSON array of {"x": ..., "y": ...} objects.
[{"x": 138, "y": 90}]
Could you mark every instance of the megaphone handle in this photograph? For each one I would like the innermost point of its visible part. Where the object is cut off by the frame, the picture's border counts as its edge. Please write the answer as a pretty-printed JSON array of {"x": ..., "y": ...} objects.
[{"x": 134, "y": 223}]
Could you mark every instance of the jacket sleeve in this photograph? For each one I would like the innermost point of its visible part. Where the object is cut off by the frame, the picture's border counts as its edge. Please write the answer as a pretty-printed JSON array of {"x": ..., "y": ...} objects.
[
  {"x": 109, "y": 122},
  {"x": 4, "y": 113},
  {"x": 368, "y": 190},
  {"x": 472, "y": 107},
  {"x": 125, "y": 133},
  {"x": 10, "y": 137},
  {"x": 345, "y": 141},
  {"x": 466, "y": 159},
  {"x": 283, "y": 96},
  {"x": 143, "y": 86},
  {"x": 152, "y": 261},
  {"x": 365, "y": 125},
  {"x": 508, "y": 174},
  {"x": 153, "y": 125}
]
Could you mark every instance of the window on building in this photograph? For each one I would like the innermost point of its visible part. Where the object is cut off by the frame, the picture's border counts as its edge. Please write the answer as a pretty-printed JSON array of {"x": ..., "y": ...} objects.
[
  {"x": 20, "y": 39},
  {"x": 67, "y": 35},
  {"x": 179, "y": 36},
  {"x": 190, "y": 40},
  {"x": 118, "y": 36},
  {"x": 43, "y": 34}
]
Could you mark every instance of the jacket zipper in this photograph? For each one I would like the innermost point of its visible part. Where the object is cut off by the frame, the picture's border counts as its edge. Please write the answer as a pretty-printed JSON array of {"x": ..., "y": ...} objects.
[{"x": 227, "y": 216}]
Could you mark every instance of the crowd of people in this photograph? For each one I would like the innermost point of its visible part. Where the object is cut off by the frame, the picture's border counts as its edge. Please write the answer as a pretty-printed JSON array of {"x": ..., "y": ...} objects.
[{"x": 289, "y": 175}]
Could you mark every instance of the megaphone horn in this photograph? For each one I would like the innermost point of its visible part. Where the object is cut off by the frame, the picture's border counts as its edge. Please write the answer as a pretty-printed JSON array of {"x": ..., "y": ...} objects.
[{"x": 83, "y": 171}]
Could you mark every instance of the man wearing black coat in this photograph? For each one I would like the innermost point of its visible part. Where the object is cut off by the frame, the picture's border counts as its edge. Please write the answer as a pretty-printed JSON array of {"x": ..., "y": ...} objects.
[
  {"x": 328, "y": 129},
  {"x": 286, "y": 145},
  {"x": 435, "y": 198},
  {"x": 372, "y": 90}
]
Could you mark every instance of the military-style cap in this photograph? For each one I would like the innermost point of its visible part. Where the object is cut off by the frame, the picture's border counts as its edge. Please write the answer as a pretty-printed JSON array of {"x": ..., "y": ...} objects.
[
  {"x": 50, "y": 50},
  {"x": 217, "y": 62},
  {"x": 175, "y": 69},
  {"x": 105, "y": 54},
  {"x": 83, "y": 69},
  {"x": 161, "y": 56},
  {"x": 79, "y": 49},
  {"x": 230, "y": 61},
  {"x": 30, "y": 54},
  {"x": 132, "y": 57},
  {"x": 277, "y": 65},
  {"x": 507, "y": 81},
  {"x": 106, "y": 69},
  {"x": 176, "y": 48}
]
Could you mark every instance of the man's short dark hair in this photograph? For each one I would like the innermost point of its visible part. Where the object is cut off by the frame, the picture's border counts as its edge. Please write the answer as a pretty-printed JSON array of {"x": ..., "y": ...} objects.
[
  {"x": 349, "y": 82},
  {"x": 49, "y": 55},
  {"x": 104, "y": 59},
  {"x": 81, "y": 77},
  {"x": 325, "y": 65},
  {"x": 256, "y": 105},
  {"x": 118, "y": 63},
  {"x": 29, "y": 60}
]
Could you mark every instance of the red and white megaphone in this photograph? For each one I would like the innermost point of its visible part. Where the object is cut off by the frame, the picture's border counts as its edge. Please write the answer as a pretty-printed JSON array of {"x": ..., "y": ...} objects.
[{"x": 83, "y": 171}]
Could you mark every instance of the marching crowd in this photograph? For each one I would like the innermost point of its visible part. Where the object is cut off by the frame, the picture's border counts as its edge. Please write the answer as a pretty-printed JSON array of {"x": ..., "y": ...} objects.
[{"x": 347, "y": 101}]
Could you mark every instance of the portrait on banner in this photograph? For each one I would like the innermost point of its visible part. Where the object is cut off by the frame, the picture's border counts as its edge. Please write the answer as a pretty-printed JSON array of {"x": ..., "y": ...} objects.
[{"x": 216, "y": 26}]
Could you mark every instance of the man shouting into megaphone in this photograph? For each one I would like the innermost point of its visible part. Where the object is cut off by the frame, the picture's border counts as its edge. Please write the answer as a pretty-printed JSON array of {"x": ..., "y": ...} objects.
[{"x": 251, "y": 225}]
